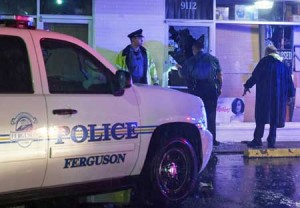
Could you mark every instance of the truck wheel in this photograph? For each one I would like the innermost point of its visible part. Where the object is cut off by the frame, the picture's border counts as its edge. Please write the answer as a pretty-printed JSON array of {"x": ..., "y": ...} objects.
[{"x": 173, "y": 172}]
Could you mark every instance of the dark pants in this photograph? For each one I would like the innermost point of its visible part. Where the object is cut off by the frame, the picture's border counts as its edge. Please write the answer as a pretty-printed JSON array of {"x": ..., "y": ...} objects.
[
  {"x": 259, "y": 133},
  {"x": 210, "y": 105},
  {"x": 206, "y": 90}
]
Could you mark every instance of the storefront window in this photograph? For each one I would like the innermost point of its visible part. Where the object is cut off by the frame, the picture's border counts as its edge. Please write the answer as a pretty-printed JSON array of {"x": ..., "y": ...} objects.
[
  {"x": 25, "y": 7},
  {"x": 281, "y": 36},
  {"x": 189, "y": 9},
  {"x": 67, "y": 7},
  {"x": 247, "y": 10}
]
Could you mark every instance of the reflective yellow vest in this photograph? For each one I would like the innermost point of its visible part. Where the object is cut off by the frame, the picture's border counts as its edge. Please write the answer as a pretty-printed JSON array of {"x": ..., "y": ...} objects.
[{"x": 151, "y": 71}]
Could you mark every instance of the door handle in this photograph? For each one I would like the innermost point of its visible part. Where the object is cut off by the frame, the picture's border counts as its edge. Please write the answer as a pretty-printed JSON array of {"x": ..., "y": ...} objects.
[{"x": 64, "y": 111}]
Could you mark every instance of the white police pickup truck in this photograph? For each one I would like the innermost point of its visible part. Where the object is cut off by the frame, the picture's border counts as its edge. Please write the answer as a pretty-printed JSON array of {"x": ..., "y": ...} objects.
[{"x": 71, "y": 125}]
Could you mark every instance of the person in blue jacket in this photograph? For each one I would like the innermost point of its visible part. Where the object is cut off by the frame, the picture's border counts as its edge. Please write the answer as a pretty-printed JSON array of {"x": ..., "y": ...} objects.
[{"x": 274, "y": 87}]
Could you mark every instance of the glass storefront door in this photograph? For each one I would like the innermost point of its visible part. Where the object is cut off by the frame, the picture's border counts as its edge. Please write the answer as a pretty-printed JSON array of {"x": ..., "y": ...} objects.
[
  {"x": 76, "y": 28},
  {"x": 180, "y": 40}
]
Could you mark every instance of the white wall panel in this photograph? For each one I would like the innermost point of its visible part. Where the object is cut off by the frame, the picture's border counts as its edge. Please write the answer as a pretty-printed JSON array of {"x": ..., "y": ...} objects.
[
  {"x": 112, "y": 34},
  {"x": 115, "y": 19}
]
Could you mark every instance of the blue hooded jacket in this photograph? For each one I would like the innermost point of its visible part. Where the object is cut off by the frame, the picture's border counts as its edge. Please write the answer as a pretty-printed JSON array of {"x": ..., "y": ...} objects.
[{"x": 274, "y": 85}]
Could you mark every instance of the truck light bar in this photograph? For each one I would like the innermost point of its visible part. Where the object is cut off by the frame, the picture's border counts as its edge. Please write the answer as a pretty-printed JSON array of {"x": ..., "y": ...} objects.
[{"x": 17, "y": 21}]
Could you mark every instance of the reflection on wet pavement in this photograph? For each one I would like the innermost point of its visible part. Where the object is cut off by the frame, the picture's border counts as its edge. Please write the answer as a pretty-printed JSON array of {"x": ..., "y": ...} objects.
[{"x": 236, "y": 182}]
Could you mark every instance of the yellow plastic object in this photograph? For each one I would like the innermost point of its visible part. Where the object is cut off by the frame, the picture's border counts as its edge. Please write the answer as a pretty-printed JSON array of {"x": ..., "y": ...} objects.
[
  {"x": 281, "y": 152},
  {"x": 119, "y": 197}
]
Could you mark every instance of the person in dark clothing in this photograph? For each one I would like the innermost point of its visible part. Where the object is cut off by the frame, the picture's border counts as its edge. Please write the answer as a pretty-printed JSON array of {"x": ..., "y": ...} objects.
[
  {"x": 203, "y": 75},
  {"x": 274, "y": 86}
]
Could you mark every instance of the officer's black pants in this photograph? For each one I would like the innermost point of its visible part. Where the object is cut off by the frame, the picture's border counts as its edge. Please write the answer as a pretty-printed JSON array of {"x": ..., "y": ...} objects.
[
  {"x": 259, "y": 133},
  {"x": 210, "y": 105},
  {"x": 206, "y": 90}
]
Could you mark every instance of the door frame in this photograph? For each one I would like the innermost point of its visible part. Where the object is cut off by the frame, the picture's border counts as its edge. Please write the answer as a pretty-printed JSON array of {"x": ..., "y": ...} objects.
[
  {"x": 68, "y": 20},
  {"x": 211, "y": 27},
  {"x": 193, "y": 23}
]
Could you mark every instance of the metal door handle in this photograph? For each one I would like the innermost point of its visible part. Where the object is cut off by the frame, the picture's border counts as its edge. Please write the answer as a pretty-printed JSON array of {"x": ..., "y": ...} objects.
[{"x": 64, "y": 111}]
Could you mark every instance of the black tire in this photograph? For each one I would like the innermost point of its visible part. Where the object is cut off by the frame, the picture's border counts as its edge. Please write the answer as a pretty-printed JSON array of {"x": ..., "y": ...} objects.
[{"x": 172, "y": 173}]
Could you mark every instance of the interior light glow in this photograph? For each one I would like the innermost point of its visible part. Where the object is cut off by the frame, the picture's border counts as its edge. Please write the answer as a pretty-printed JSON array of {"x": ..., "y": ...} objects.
[
  {"x": 250, "y": 8},
  {"x": 264, "y": 4},
  {"x": 59, "y": 2}
]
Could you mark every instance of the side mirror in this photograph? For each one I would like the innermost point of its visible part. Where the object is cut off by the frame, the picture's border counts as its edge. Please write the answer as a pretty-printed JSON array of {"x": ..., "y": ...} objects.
[{"x": 123, "y": 80}]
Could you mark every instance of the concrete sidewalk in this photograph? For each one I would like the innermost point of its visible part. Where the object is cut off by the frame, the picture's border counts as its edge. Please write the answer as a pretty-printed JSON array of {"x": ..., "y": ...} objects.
[
  {"x": 232, "y": 136},
  {"x": 240, "y": 147},
  {"x": 237, "y": 132}
]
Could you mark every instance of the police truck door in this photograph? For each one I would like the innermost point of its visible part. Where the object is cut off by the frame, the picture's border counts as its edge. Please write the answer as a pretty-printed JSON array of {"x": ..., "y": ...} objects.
[
  {"x": 93, "y": 132},
  {"x": 23, "y": 127}
]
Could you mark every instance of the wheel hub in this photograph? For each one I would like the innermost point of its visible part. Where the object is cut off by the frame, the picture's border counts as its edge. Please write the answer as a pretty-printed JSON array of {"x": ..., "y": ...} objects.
[
  {"x": 172, "y": 170},
  {"x": 175, "y": 170}
]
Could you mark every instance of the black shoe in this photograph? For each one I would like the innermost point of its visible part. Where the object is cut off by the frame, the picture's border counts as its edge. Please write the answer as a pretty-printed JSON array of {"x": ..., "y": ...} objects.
[
  {"x": 271, "y": 146},
  {"x": 216, "y": 143},
  {"x": 254, "y": 144}
]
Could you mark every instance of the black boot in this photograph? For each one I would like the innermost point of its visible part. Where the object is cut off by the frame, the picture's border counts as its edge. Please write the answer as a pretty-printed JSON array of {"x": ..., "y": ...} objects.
[{"x": 255, "y": 144}]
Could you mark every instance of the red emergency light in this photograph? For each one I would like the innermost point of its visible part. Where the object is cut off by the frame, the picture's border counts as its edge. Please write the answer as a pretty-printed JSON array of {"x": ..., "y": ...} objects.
[{"x": 17, "y": 21}]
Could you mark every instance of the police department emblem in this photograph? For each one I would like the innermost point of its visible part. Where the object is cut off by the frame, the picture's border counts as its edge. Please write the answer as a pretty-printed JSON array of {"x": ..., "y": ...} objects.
[{"x": 24, "y": 133}]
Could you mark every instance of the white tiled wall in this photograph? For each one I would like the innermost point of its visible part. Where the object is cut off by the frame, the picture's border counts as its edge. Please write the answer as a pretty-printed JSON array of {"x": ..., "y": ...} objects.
[{"x": 115, "y": 19}]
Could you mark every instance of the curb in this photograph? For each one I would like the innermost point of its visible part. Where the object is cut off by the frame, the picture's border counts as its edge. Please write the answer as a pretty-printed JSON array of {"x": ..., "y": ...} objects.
[{"x": 272, "y": 153}]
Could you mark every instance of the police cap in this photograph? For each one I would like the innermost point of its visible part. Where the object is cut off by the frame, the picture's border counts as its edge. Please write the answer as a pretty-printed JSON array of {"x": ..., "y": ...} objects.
[{"x": 137, "y": 33}]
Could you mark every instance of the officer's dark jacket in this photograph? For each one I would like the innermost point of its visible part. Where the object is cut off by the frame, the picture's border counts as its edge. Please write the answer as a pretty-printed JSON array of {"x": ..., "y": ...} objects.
[{"x": 201, "y": 71}]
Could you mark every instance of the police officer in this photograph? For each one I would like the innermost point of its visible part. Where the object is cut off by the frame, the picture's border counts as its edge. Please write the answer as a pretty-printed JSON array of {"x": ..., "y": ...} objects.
[
  {"x": 204, "y": 79},
  {"x": 137, "y": 60}
]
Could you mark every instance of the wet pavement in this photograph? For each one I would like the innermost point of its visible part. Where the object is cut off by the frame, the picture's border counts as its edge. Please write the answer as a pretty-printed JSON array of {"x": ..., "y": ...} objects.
[
  {"x": 231, "y": 180},
  {"x": 236, "y": 182}
]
